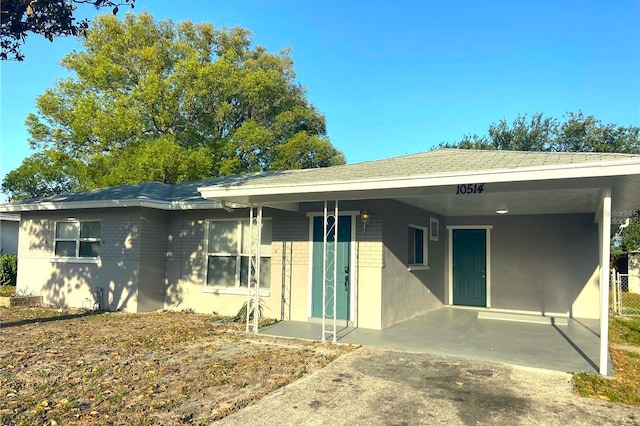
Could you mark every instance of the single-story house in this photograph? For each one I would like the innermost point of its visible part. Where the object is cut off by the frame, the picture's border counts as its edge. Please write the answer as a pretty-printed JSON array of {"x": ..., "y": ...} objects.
[{"x": 524, "y": 232}]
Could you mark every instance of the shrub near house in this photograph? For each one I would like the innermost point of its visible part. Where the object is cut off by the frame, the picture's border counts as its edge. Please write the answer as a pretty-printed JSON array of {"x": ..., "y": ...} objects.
[
  {"x": 8, "y": 269},
  {"x": 8, "y": 276}
]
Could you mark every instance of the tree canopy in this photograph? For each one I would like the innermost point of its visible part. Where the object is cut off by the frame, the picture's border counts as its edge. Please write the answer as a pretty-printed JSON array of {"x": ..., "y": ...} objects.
[
  {"x": 49, "y": 18},
  {"x": 168, "y": 102},
  {"x": 628, "y": 239},
  {"x": 577, "y": 133}
]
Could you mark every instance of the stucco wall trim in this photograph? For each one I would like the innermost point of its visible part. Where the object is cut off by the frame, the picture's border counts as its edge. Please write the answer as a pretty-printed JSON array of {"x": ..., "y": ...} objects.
[
  {"x": 95, "y": 260},
  {"x": 233, "y": 291},
  {"x": 418, "y": 268}
]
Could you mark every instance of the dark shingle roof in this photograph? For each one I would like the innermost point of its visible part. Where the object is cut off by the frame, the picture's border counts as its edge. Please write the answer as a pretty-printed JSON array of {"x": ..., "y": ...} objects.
[
  {"x": 443, "y": 161},
  {"x": 152, "y": 192}
]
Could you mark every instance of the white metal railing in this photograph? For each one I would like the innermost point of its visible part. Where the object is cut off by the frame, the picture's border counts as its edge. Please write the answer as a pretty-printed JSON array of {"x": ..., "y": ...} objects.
[
  {"x": 329, "y": 270},
  {"x": 253, "y": 273}
]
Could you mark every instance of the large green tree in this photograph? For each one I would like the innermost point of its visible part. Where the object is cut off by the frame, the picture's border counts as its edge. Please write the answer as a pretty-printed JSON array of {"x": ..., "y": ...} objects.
[
  {"x": 48, "y": 18},
  {"x": 160, "y": 101},
  {"x": 575, "y": 133}
]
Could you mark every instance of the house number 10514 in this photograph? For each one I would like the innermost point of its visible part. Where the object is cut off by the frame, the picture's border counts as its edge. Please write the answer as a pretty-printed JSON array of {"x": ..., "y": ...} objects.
[{"x": 470, "y": 188}]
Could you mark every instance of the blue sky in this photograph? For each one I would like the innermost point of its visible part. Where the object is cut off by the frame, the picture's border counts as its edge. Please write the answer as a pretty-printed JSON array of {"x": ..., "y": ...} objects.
[{"x": 399, "y": 77}]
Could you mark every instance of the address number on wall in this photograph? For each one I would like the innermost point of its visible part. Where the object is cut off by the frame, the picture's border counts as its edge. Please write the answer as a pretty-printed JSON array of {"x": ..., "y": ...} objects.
[{"x": 470, "y": 188}]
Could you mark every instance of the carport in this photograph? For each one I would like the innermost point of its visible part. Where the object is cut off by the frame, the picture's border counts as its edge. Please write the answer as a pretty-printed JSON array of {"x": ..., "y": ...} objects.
[
  {"x": 562, "y": 344},
  {"x": 527, "y": 233}
]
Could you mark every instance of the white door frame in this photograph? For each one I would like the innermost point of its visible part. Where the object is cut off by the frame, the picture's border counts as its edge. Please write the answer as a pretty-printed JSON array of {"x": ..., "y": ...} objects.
[
  {"x": 487, "y": 229},
  {"x": 352, "y": 261}
]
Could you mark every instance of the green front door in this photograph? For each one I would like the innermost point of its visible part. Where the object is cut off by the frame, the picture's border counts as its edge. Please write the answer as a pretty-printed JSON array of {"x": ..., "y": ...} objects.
[
  {"x": 343, "y": 286},
  {"x": 470, "y": 267}
]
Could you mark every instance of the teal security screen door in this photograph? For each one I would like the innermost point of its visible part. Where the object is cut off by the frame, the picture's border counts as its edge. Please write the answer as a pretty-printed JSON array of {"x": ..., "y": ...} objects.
[
  {"x": 344, "y": 268},
  {"x": 470, "y": 267}
]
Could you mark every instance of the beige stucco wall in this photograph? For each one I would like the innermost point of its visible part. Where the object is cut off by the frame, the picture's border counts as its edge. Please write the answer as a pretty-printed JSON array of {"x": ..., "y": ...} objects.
[
  {"x": 153, "y": 260},
  {"x": 544, "y": 264},
  {"x": 291, "y": 251},
  {"x": 291, "y": 269},
  {"x": 370, "y": 261},
  {"x": 384, "y": 291},
  {"x": 290, "y": 266},
  {"x": 186, "y": 268},
  {"x": 406, "y": 294},
  {"x": 71, "y": 283},
  {"x": 369, "y": 298}
]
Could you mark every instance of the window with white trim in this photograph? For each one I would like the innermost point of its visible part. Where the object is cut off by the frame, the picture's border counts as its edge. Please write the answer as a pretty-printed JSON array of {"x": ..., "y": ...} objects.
[
  {"x": 76, "y": 239},
  {"x": 227, "y": 243},
  {"x": 418, "y": 249}
]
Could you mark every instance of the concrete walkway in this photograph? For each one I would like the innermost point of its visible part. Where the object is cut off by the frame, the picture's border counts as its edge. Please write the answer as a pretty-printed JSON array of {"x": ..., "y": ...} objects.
[
  {"x": 375, "y": 386},
  {"x": 573, "y": 347}
]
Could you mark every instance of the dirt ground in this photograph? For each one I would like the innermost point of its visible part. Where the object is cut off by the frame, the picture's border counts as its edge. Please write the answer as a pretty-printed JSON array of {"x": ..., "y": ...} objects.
[{"x": 143, "y": 369}]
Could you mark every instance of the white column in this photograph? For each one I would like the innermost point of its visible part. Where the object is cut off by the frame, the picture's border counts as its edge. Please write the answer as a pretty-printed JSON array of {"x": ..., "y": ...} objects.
[
  {"x": 605, "y": 248},
  {"x": 256, "y": 236},
  {"x": 324, "y": 272},
  {"x": 253, "y": 271},
  {"x": 335, "y": 270}
]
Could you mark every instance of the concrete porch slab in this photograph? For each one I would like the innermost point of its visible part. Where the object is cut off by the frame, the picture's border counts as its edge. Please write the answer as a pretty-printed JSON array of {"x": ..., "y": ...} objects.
[{"x": 459, "y": 332}]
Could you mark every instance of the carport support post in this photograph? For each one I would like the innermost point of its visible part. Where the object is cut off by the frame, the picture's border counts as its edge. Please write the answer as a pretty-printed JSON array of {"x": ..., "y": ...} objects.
[
  {"x": 253, "y": 273},
  {"x": 329, "y": 270},
  {"x": 605, "y": 249}
]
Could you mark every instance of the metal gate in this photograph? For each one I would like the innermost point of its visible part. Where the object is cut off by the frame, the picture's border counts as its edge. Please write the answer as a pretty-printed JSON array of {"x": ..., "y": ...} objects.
[{"x": 623, "y": 301}]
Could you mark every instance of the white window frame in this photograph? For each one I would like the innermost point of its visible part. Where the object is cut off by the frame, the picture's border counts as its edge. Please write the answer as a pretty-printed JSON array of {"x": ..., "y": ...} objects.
[
  {"x": 424, "y": 265},
  {"x": 76, "y": 258},
  {"x": 237, "y": 288}
]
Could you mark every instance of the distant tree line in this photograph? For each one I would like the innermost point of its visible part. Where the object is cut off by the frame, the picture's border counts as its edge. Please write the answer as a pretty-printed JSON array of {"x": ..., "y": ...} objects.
[{"x": 576, "y": 132}]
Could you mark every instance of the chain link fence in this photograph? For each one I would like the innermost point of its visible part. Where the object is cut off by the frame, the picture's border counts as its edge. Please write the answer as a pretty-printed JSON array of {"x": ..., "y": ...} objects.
[{"x": 624, "y": 296}]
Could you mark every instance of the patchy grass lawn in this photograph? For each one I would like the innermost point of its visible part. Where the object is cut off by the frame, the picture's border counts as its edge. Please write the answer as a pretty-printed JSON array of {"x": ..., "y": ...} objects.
[
  {"x": 7, "y": 290},
  {"x": 624, "y": 339},
  {"x": 140, "y": 369}
]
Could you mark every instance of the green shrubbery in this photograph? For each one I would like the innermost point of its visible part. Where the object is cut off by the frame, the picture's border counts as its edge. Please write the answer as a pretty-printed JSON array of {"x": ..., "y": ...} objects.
[{"x": 8, "y": 269}]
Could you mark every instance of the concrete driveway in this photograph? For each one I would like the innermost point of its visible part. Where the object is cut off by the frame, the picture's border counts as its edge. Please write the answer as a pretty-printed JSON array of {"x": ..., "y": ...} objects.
[{"x": 376, "y": 386}]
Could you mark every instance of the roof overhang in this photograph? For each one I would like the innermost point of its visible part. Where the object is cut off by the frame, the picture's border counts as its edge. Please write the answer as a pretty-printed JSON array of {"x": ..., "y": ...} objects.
[
  {"x": 153, "y": 204},
  {"x": 572, "y": 188}
]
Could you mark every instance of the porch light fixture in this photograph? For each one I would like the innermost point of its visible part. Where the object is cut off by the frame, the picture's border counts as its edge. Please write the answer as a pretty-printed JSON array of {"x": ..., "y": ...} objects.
[
  {"x": 365, "y": 219},
  {"x": 502, "y": 211}
]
